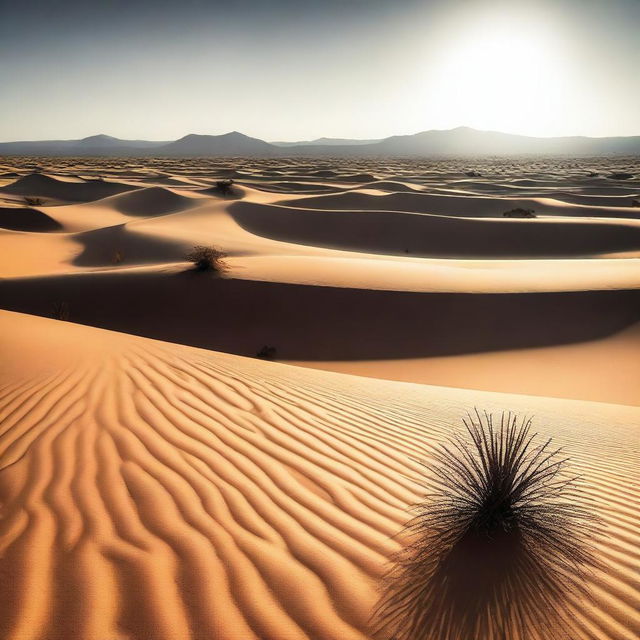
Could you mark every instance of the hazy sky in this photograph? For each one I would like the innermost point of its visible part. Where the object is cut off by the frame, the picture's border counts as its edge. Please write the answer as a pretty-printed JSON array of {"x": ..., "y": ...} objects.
[{"x": 296, "y": 69}]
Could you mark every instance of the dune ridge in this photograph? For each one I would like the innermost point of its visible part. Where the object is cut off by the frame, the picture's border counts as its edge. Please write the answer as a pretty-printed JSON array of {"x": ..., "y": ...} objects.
[{"x": 38, "y": 184}]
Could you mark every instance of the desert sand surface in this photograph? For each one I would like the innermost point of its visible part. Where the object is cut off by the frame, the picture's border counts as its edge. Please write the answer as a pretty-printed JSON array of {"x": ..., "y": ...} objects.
[
  {"x": 153, "y": 490},
  {"x": 388, "y": 268},
  {"x": 160, "y": 480}
]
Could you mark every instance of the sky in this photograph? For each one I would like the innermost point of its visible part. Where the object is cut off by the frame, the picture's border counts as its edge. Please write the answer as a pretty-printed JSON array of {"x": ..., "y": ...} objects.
[{"x": 298, "y": 69}]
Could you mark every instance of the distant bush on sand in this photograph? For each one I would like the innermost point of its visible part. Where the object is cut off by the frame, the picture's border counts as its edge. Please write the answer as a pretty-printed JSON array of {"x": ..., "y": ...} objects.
[
  {"x": 267, "y": 353},
  {"x": 60, "y": 310},
  {"x": 501, "y": 548},
  {"x": 225, "y": 187},
  {"x": 519, "y": 213},
  {"x": 621, "y": 175},
  {"x": 207, "y": 259},
  {"x": 33, "y": 202}
]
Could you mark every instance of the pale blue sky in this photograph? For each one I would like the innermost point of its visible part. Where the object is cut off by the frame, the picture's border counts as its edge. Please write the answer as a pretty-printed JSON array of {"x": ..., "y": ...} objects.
[{"x": 285, "y": 69}]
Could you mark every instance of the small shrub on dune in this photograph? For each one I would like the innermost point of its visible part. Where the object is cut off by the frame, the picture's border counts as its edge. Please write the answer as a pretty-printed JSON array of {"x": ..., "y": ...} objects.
[
  {"x": 225, "y": 187},
  {"x": 267, "y": 352},
  {"x": 33, "y": 202},
  {"x": 519, "y": 213},
  {"x": 500, "y": 548},
  {"x": 60, "y": 310},
  {"x": 207, "y": 259}
]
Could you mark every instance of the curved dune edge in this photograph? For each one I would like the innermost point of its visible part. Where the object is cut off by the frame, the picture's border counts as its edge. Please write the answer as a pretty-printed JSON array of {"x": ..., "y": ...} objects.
[
  {"x": 602, "y": 370},
  {"x": 155, "y": 491}
]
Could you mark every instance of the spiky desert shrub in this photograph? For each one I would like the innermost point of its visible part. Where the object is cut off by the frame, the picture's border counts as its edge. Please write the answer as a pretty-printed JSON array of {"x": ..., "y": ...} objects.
[
  {"x": 500, "y": 546},
  {"x": 207, "y": 259}
]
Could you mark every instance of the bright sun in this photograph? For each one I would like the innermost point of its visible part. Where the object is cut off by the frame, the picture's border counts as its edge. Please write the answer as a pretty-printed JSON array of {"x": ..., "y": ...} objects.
[{"x": 500, "y": 75}]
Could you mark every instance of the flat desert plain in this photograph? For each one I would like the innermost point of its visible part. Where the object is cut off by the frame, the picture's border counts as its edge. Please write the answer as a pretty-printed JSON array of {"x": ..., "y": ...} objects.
[{"x": 195, "y": 455}]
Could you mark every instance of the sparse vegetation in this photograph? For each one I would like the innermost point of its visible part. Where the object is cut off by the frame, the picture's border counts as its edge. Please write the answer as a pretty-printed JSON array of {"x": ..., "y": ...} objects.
[
  {"x": 267, "y": 353},
  {"x": 118, "y": 257},
  {"x": 519, "y": 213},
  {"x": 473, "y": 174},
  {"x": 621, "y": 175},
  {"x": 207, "y": 259},
  {"x": 60, "y": 310},
  {"x": 225, "y": 187},
  {"x": 33, "y": 202},
  {"x": 500, "y": 547}
]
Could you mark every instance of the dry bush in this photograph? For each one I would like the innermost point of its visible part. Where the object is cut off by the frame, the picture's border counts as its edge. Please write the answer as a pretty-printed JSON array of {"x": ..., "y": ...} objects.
[
  {"x": 498, "y": 549},
  {"x": 225, "y": 187},
  {"x": 33, "y": 202},
  {"x": 267, "y": 352},
  {"x": 60, "y": 310},
  {"x": 207, "y": 259},
  {"x": 519, "y": 213}
]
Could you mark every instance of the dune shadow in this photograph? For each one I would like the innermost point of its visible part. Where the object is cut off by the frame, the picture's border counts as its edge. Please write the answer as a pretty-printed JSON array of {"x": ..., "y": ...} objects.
[
  {"x": 27, "y": 219},
  {"x": 118, "y": 245},
  {"x": 397, "y": 233},
  {"x": 490, "y": 589},
  {"x": 309, "y": 322}
]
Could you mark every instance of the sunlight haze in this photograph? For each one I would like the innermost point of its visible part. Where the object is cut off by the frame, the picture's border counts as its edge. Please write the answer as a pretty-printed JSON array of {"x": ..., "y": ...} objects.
[{"x": 286, "y": 70}]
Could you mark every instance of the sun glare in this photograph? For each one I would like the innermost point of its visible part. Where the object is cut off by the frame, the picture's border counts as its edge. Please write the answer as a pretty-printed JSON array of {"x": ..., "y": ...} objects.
[{"x": 494, "y": 76}]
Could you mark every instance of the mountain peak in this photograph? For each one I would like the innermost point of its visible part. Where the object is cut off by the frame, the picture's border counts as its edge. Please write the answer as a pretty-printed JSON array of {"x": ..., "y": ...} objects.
[{"x": 99, "y": 138}]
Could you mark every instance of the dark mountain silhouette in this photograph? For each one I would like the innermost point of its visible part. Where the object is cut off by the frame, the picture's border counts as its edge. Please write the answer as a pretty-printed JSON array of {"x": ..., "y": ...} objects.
[
  {"x": 465, "y": 141},
  {"x": 462, "y": 141},
  {"x": 229, "y": 144},
  {"x": 98, "y": 145}
]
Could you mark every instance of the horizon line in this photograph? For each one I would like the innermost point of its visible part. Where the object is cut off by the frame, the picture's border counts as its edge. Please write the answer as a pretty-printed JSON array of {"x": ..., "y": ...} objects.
[{"x": 312, "y": 140}]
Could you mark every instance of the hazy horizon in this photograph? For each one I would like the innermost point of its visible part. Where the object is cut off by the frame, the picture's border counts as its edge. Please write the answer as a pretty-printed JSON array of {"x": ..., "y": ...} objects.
[
  {"x": 285, "y": 70},
  {"x": 283, "y": 141}
]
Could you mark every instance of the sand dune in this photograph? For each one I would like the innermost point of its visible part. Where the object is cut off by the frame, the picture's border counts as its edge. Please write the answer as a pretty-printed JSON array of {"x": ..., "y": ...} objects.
[
  {"x": 154, "y": 491},
  {"x": 27, "y": 219},
  {"x": 306, "y": 322},
  {"x": 392, "y": 232},
  {"x": 151, "y": 201},
  {"x": 42, "y": 185},
  {"x": 463, "y": 205},
  {"x": 602, "y": 370}
]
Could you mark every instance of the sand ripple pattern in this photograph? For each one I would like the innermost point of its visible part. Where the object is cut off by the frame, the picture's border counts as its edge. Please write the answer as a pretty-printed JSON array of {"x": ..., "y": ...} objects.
[{"x": 161, "y": 492}]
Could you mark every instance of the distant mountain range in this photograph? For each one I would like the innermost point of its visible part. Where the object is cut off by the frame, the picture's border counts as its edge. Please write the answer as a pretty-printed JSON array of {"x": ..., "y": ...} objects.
[{"x": 462, "y": 141}]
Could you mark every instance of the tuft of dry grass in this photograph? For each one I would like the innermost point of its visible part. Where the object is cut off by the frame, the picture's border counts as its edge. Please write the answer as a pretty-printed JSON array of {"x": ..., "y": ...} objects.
[
  {"x": 33, "y": 202},
  {"x": 207, "y": 259},
  {"x": 499, "y": 548},
  {"x": 519, "y": 213}
]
